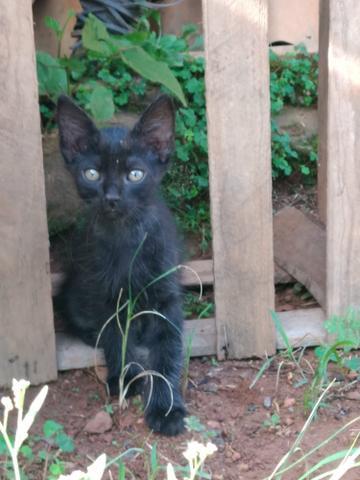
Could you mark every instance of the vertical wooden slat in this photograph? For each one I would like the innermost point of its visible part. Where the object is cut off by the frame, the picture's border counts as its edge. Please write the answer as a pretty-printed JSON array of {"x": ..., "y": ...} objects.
[
  {"x": 322, "y": 108},
  {"x": 27, "y": 343},
  {"x": 343, "y": 156},
  {"x": 237, "y": 95}
]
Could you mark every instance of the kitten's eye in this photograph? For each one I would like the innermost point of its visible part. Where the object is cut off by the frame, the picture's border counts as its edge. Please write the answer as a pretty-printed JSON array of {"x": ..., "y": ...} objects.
[
  {"x": 92, "y": 175},
  {"x": 136, "y": 176}
]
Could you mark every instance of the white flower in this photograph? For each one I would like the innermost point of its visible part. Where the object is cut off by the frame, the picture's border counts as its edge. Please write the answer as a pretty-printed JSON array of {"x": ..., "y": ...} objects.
[
  {"x": 170, "y": 473},
  {"x": 19, "y": 388},
  {"x": 8, "y": 404},
  {"x": 94, "y": 472},
  {"x": 198, "y": 450}
]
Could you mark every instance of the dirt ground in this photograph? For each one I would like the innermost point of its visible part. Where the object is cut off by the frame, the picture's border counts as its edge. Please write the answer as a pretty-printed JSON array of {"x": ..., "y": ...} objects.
[
  {"x": 251, "y": 427},
  {"x": 222, "y": 408}
]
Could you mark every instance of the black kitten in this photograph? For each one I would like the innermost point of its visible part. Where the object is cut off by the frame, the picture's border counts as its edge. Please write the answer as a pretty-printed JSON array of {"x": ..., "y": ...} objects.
[{"x": 118, "y": 173}]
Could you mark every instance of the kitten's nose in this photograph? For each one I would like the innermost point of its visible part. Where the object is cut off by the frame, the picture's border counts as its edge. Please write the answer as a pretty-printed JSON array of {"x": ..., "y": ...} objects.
[{"x": 112, "y": 198}]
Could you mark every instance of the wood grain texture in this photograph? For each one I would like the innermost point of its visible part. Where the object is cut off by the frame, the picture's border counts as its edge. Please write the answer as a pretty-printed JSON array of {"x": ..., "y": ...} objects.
[
  {"x": 299, "y": 248},
  {"x": 27, "y": 343},
  {"x": 343, "y": 162},
  {"x": 323, "y": 108},
  {"x": 303, "y": 328},
  {"x": 73, "y": 353},
  {"x": 238, "y": 110}
]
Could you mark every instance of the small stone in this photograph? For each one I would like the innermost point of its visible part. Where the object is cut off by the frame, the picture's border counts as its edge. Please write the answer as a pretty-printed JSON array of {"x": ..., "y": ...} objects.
[
  {"x": 289, "y": 421},
  {"x": 101, "y": 423},
  {"x": 210, "y": 387},
  {"x": 267, "y": 402},
  {"x": 219, "y": 442},
  {"x": 289, "y": 402},
  {"x": 244, "y": 467},
  {"x": 355, "y": 395},
  {"x": 214, "y": 424},
  {"x": 236, "y": 456}
]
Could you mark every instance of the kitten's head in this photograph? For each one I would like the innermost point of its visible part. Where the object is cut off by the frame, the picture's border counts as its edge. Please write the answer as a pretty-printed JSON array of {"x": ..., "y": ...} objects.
[{"x": 116, "y": 168}]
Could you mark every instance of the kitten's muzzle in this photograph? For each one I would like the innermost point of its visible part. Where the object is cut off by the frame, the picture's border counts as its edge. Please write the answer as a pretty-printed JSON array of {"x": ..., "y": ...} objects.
[
  {"x": 112, "y": 203},
  {"x": 112, "y": 200}
]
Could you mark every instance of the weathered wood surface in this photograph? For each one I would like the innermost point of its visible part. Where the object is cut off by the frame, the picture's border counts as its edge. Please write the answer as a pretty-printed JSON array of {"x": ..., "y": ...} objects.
[
  {"x": 73, "y": 353},
  {"x": 323, "y": 108},
  {"x": 45, "y": 38},
  {"x": 204, "y": 269},
  {"x": 343, "y": 162},
  {"x": 303, "y": 328},
  {"x": 27, "y": 344},
  {"x": 299, "y": 248},
  {"x": 238, "y": 110}
]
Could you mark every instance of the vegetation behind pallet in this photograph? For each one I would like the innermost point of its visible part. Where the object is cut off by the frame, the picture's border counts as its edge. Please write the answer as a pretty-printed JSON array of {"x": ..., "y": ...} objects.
[{"x": 109, "y": 74}]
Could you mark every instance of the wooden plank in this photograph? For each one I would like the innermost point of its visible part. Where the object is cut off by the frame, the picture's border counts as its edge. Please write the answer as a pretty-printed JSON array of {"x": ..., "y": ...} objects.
[
  {"x": 343, "y": 147},
  {"x": 304, "y": 328},
  {"x": 204, "y": 268},
  {"x": 27, "y": 344},
  {"x": 294, "y": 22},
  {"x": 299, "y": 248},
  {"x": 45, "y": 38},
  {"x": 238, "y": 110},
  {"x": 322, "y": 108},
  {"x": 73, "y": 353}
]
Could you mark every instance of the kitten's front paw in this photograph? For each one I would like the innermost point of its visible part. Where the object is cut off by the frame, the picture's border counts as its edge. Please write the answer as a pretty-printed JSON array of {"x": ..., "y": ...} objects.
[{"x": 170, "y": 425}]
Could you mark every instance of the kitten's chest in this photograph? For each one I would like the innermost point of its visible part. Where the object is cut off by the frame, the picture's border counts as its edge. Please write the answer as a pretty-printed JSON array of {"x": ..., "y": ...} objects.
[{"x": 124, "y": 262}]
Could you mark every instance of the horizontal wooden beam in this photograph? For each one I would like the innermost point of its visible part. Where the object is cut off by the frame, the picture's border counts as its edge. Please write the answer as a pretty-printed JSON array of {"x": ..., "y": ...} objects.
[
  {"x": 203, "y": 268},
  {"x": 196, "y": 269},
  {"x": 302, "y": 327}
]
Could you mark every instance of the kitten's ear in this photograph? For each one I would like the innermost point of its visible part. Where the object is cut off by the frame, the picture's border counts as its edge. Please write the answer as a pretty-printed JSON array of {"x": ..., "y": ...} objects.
[
  {"x": 77, "y": 131},
  {"x": 156, "y": 127}
]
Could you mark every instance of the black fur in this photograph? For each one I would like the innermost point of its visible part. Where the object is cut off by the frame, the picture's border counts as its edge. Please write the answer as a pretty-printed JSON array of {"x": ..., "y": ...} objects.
[{"x": 121, "y": 215}]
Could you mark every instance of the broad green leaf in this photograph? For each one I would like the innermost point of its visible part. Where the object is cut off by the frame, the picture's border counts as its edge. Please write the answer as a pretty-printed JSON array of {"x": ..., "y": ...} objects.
[
  {"x": 102, "y": 103},
  {"x": 153, "y": 70},
  {"x": 27, "y": 452},
  {"x": 95, "y": 37},
  {"x": 51, "y": 428},
  {"x": 64, "y": 442},
  {"x": 52, "y": 77},
  {"x": 352, "y": 364},
  {"x": 53, "y": 24}
]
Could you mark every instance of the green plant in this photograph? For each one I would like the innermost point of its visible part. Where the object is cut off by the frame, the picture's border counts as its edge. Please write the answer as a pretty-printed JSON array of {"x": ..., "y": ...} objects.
[
  {"x": 293, "y": 81},
  {"x": 198, "y": 307},
  {"x": 193, "y": 424},
  {"x": 273, "y": 421},
  {"x": 113, "y": 72},
  {"x": 347, "y": 457},
  {"x": 19, "y": 451},
  {"x": 345, "y": 333}
]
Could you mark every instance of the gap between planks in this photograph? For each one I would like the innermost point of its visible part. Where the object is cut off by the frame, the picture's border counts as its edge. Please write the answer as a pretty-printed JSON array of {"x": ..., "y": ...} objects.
[{"x": 303, "y": 327}]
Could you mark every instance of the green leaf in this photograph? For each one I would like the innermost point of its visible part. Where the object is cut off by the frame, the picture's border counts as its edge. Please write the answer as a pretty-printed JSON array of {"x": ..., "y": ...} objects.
[
  {"x": 42, "y": 454},
  {"x": 352, "y": 364},
  {"x": 27, "y": 452},
  {"x": 64, "y": 442},
  {"x": 95, "y": 37},
  {"x": 153, "y": 70},
  {"x": 57, "y": 468},
  {"x": 102, "y": 103},
  {"x": 51, "y": 428},
  {"x": 52, "y": 76},
  {"x": 193, "y": 424},
  {"x": 53, "y": 24}
]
